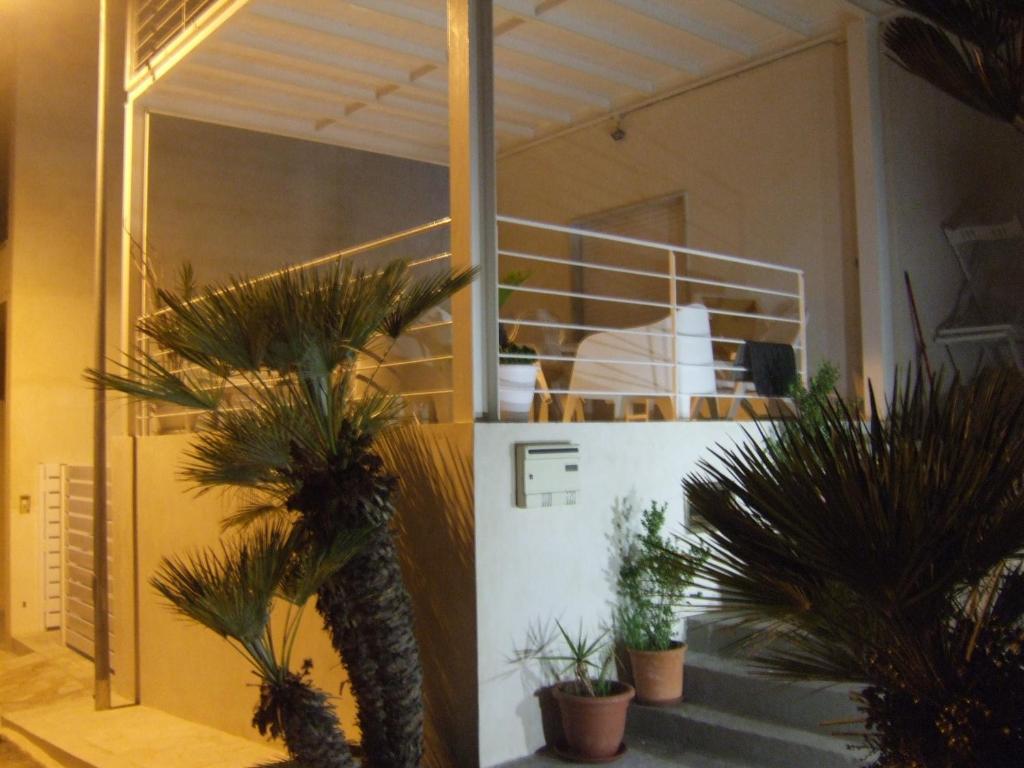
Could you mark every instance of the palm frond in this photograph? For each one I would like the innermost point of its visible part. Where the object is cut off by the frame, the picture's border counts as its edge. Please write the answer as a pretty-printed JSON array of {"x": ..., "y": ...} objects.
[
  {"x": 417, "y": 298},
  {"x": 971, "y": 49},
  {"x": 849, "y": 533},
  {"x": 229, "y": 590},
  {"x": 144, "y": 377},
  {"x": 315, "y": 563}
]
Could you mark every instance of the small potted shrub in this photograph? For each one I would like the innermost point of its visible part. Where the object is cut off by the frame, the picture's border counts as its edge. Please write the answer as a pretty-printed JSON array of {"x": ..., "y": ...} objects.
[
  {"x": 651, "y": 591},
  {"x": 593, "y": 708}
]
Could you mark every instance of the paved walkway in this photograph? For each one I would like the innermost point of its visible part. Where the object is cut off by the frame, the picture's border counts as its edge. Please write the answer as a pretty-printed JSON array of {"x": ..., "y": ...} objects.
[{"x": 46, "y": 697}]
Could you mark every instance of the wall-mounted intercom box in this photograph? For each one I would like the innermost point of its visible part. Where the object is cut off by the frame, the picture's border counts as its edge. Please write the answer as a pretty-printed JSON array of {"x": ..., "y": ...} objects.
[{"x": 547, "y": 474}]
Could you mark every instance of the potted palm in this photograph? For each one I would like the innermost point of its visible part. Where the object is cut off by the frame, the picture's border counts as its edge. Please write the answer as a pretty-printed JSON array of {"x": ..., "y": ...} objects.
[
  {"x": 652, "y": 587},
  {"x": 593, "y": 707},
  {"x": 304, "y": 446},
  {"x": 231, "y": 591}
]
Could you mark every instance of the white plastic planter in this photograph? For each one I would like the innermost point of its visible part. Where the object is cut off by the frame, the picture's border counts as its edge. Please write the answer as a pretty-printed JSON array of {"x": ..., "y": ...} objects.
[{"x": 515, "y": 388}]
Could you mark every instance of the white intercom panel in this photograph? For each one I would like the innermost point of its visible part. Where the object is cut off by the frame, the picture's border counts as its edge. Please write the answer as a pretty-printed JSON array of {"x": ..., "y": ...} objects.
[{"x": 547, "y": 474}]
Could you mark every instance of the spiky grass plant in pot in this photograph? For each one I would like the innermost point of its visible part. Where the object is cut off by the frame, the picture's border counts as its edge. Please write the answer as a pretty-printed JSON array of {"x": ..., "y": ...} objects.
[
  {"x": 593, "y": 707},
  {"x": 231, "y": 591},
  {"x": 271, "y": 365},
  {"x": 885, "y": 555},
  {"x": 652, "y": 587}
]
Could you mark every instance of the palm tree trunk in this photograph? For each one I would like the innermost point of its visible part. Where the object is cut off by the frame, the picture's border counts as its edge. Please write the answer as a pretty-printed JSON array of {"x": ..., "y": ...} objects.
[
  {"x": 368, "y": 613},
  {"x": 305, "y": 719}
]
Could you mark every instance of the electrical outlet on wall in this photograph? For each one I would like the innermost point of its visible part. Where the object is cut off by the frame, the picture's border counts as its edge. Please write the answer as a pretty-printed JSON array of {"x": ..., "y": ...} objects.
[{"x": 24, "y": 504}]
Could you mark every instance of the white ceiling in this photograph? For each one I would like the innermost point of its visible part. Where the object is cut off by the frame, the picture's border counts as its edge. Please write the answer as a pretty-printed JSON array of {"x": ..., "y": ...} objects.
[{"x": 372, "y": 74}]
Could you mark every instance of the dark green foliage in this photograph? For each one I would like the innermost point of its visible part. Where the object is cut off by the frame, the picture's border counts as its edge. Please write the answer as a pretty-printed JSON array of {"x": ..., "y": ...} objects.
[
  {"x": 971, "y": 49},
  {"x": 653, "y": 578},
  {"x": 809, "y": 400},
  {"x": 524, "y": 355},
  {"x": 231, "y": 592},
  {"x": 877, "y": 554}
]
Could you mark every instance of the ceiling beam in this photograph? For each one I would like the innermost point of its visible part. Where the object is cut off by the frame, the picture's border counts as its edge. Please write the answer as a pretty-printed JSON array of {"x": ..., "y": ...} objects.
[
  {"x": 281, "y": 72},
  {"x": 558, "y": 16},
  {"x": 253, "y": 99},
  {"x": 774, "y": 12},
  {"x": 200, "y": 106},
  {"x": 691, "y": 23},
  {"x": 433, "y": 81},
  {"x": 400, "y": 9},
  {"x": 348, "y": 98}
]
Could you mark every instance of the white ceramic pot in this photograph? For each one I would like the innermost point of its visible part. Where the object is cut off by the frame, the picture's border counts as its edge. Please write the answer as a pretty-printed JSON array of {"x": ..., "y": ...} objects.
[{"x": 515, "y": 388}]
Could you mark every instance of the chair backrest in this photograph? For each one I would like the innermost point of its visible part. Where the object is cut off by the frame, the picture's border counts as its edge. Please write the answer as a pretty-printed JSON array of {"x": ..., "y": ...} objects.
[{"x": 627, "y": 361}]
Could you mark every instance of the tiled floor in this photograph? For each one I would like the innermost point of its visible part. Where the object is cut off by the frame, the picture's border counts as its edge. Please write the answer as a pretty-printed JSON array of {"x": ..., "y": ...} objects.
[{"x": 46, "y": 695}]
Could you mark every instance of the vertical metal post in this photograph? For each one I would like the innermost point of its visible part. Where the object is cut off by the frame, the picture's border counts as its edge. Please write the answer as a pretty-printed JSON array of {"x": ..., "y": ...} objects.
[
  {"x": 473, "y": 206},
  {"x": 673, "y": 299},
  {"x": 801, "y": 290},
  {"x": 100, "y": 587}
]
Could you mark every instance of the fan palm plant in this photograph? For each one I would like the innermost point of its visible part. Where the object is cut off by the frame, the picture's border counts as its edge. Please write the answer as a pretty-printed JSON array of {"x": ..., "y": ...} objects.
[
  {"x": 971, "y": 49},
  {"x": 881, "y": 555},
  {"x": 231, "y": 592},
  {"x": 271, "y": 362}
]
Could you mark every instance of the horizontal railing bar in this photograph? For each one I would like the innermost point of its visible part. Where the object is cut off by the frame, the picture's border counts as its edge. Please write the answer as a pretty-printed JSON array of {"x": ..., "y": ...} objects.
[
  {"x": 612, "y": 329},
  {"x": 345, "y": 253},
  {"x": 600, "y": 394},
  {"x": 717, "y": 365},
  {"x": 647, "y": 244},
  {"x": 399, "y": 363},
  {"x": 643, "y": 303},
  {"x": 646, "y": 273},
  {"x": 579, "y": 295}
]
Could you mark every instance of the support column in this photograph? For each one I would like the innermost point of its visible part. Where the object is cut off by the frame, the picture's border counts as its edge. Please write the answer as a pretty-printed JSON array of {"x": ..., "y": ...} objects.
[
  {"x": 875, "y": 266},
  {"x": 473, "y": 207}
]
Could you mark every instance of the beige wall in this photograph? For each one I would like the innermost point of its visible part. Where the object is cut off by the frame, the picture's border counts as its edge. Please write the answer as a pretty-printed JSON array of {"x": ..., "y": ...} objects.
[
  {"x": 764, "y": 160},
  {"x": 49, "y": 263},
  {"x": 435, "y": 524},
  {"x": 941, "y": 156},
  {"x": 235, "y": 202}
]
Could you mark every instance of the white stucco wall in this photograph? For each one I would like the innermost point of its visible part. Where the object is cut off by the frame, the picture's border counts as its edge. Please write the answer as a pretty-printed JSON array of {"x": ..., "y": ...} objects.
[{"x": 538, "y": 565}]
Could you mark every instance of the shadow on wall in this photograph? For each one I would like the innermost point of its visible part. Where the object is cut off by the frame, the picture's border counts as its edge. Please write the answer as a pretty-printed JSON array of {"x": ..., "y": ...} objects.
[{"x": 435, "y": 523}]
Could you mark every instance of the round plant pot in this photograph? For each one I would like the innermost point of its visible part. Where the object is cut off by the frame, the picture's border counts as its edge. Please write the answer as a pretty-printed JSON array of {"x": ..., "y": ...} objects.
[
  {"x": 658, "y": 675},
  {"x": 594, "y": 725},
  {"x": 515, "y": 390}
]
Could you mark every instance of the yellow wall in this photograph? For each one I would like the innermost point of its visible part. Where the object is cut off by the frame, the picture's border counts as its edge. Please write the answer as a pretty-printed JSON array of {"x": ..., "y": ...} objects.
[
  {"x": 763, "y": 158},
  {"x": 49, "y": 261}
]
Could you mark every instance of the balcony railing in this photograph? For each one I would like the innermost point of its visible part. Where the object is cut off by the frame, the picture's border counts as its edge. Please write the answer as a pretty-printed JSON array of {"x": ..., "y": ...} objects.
[
  {"x": 417, "y": 366},
  {"x": 156, "y": 22},
  {"x": 644, "y": 327},
  {"x": 619, "y": 328}
]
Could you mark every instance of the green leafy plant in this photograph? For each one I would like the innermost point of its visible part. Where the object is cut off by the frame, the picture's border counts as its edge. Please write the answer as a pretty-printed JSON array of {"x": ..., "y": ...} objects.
[
  {"x": 810, "y": 399},
  {"x": 231, "y": 591},
  {"x": 883, "y": 554},
  {"x": 654, "y": 576},
  {"x": 523, "y": 355},
  {"x": 585, "y": 661},
  {"x": 270, "y": 364}
]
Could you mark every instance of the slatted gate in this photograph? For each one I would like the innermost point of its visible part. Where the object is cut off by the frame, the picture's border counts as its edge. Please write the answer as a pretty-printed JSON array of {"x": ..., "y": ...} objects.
[{"x": 68, "y": 495}]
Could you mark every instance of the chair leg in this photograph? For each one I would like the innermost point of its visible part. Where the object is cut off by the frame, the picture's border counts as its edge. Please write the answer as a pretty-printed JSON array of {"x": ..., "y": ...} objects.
[{"x": 573, "y": 409}]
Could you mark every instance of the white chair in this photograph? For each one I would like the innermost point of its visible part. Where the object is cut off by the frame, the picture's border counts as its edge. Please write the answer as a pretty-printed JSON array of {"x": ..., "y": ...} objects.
[{"x": 637, "y": 365}]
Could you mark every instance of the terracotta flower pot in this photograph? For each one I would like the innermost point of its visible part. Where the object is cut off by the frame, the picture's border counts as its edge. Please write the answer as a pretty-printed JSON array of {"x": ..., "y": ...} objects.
[
  {"x": 658, "y": 675},
  {"x": 594, "y": 725}
]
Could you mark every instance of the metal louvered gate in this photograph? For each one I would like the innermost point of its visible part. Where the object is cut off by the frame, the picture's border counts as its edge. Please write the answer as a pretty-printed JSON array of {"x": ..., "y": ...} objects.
[{"x": 75, "y": 485}]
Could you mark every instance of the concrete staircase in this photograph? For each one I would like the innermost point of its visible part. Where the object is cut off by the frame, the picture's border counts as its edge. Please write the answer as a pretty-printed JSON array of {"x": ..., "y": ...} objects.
[{"x": 733, "y": 718}]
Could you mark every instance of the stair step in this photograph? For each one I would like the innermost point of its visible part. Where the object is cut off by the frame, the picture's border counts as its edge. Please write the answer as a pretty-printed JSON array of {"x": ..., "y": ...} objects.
[
  {"x": 640, "y": 753},
  {"x": 688, "y": 727},
  {"x": 730, "y": 685}
]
